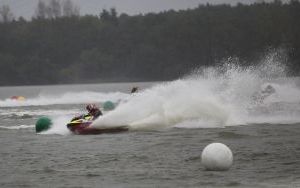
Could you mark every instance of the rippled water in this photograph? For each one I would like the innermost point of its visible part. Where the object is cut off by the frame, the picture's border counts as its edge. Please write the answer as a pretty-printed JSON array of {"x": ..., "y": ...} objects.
[{"x": 264, "y": 156}]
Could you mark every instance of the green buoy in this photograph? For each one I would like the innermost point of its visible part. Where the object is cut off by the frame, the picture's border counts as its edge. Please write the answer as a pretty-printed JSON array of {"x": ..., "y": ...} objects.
[
  {"x": 43, "y": 124},
  {"x": 108, "y": 105}
]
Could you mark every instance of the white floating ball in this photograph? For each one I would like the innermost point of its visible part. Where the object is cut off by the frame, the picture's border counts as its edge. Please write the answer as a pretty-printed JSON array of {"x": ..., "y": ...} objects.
[{"x": 216, "y": 156}]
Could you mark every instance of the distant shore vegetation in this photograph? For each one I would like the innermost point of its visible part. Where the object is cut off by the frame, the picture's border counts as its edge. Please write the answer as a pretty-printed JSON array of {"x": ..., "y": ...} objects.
[{"x": 58, "y": 45}]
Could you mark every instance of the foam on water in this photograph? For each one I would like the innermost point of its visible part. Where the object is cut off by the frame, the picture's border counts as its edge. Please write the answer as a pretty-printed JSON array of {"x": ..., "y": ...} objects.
[
  {"x": 23, "y": 113},
  {"x": 17, "y": 127},
  {"x": 65, "y": 98}
]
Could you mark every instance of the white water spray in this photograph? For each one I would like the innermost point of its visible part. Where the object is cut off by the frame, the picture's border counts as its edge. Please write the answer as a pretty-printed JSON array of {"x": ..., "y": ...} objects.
[{"x": 212, "y": 97}]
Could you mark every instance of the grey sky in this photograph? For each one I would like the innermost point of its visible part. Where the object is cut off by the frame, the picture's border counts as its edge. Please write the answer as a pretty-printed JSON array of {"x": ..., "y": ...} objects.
[{"x": 26, "y": 8}]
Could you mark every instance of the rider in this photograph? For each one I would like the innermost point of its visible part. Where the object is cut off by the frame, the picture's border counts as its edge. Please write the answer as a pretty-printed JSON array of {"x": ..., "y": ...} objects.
[
  {"x": 269, "y": 90},
  {"x": 264, "y": 93},
  {"x": 93, "y": 110},
  {"x": 134, "y": 90}
]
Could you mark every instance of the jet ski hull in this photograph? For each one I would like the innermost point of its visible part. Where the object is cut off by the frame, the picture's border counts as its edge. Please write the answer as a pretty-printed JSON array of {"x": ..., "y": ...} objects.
[{"x": 83, "y": 128}]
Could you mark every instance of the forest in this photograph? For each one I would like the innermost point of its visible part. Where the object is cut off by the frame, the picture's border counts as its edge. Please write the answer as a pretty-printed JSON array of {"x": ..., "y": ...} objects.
[{"x": 61, "y": 46}]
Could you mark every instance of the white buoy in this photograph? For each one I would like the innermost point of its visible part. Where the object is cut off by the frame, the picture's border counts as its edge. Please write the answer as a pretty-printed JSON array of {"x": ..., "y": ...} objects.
[{"x": 216, "y": 156}]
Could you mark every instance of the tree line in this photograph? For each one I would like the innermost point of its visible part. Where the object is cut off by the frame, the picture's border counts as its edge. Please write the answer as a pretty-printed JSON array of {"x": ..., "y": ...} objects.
[{"x": 59, "y": 46}]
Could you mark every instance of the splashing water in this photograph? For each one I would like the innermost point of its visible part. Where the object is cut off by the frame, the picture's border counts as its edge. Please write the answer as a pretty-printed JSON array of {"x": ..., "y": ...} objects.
[
  {"x": 57, "y": 127},
  {"x": 213, "y": 97}
]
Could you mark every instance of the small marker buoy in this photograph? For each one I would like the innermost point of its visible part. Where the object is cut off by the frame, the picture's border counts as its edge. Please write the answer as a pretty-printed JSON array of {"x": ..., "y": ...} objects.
[
  {"x": 43, "y": 124},
  {"x": 108, "y": 105}
]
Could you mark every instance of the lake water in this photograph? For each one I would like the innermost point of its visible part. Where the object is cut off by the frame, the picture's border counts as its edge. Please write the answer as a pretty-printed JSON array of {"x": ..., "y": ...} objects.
[{"x": 170, "y": 124}]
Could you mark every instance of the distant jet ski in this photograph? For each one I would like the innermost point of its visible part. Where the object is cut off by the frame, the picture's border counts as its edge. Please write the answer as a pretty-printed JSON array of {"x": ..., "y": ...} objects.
[
  {"x": 17, "y": 98},
  {"x": 265, "y": 92},
  {"x": 268, "y": 90},
  {"x": 82, "y": 124}
]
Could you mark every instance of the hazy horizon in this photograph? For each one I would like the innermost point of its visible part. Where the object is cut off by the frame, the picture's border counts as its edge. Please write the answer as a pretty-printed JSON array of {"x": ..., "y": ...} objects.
[{"x": 27, "y": 8}]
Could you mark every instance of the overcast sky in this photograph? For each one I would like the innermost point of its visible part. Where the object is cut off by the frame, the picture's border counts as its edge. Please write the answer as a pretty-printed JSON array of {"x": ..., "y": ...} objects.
[{"x": 26, "y": 8}]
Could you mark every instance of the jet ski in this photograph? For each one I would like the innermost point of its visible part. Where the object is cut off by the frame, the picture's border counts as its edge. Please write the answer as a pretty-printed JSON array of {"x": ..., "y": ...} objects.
[{"x": 81, "y": 126}]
